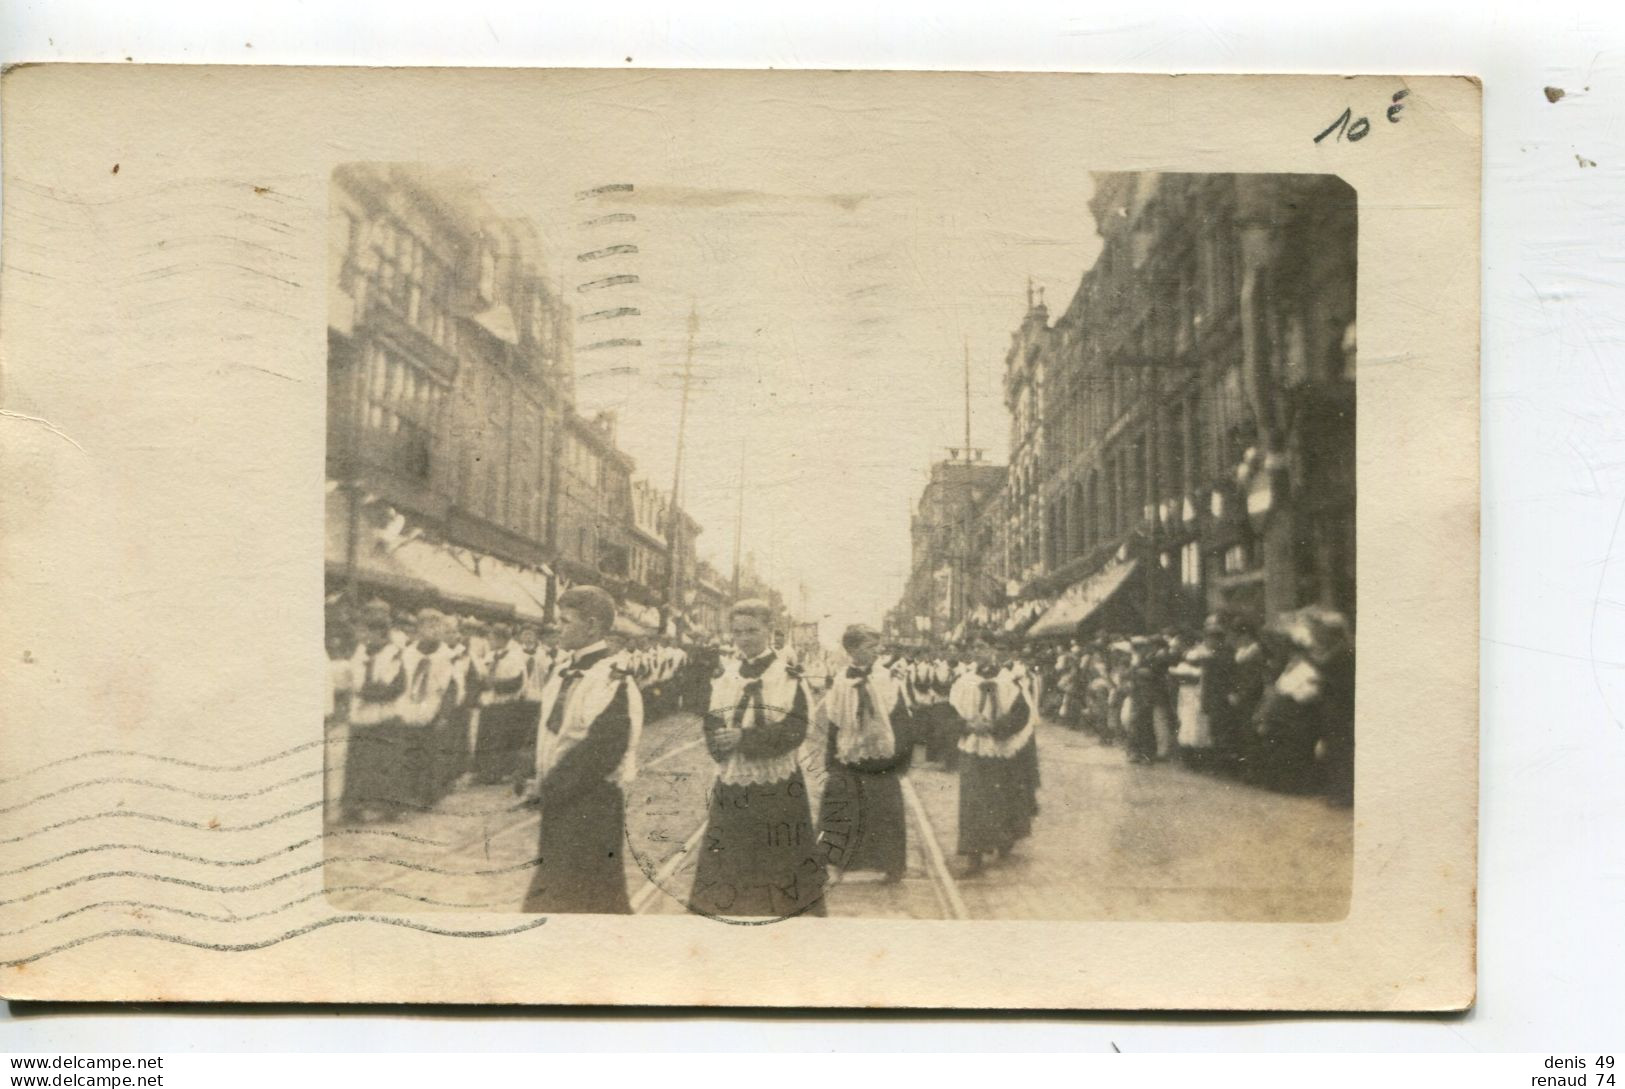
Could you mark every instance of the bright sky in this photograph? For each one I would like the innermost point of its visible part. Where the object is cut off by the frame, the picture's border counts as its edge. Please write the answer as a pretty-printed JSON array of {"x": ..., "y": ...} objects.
[{"x": 840, "y": 255}]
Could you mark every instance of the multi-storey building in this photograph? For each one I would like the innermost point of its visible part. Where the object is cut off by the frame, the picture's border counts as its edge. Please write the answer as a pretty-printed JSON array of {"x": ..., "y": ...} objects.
[
  {"x": 448, "y": 358},
  {"x": 711, "y": 595},
  {"x": 651, "y": 573},
  {"x": 1026, "y": 368},
  {"x": 957, "y": 534},
  {"x": 594, "y": 503},
  {"x": 1192, "y": 411},
  {"x": 459, "y": 467}
]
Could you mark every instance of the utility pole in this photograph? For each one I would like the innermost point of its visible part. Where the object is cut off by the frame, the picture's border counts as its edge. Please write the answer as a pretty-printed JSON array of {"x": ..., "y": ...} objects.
[
  {"x": 1153, "y": 574},
  {"x": 967, "y": 398},
  {"x": 674, "y": 532},
  {"x": 960, "y": 598},
  {"x": 739, "y": 519}
]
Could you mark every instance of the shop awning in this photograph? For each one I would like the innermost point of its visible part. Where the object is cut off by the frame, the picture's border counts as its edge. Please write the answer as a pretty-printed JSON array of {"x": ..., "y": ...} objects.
[
  {"x": 625, "y": 625},
  {"x": 389, "y": 552},
  {"x": 434, "y": 564},
  {"x": 525, "y": 589},
  {"x": 1024, "y": 614},
  {"x": 1083, "y": 598},
  {"x": 374, "y": 562}
]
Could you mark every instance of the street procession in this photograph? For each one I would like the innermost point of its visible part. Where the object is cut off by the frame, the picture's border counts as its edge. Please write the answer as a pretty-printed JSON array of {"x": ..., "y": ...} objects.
[{"x": 1101, "y": 668}]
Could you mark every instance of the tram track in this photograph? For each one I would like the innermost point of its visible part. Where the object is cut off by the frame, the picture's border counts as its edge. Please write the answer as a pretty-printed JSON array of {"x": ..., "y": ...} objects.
[
  {"x": 523, "y": 820},
  {"x": 932, "y": 860},
  {"x": 923, "y": 835},
  {"x": 936, "y": 863}
]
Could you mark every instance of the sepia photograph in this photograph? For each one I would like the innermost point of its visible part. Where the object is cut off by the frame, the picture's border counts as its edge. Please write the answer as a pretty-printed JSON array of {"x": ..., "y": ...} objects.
[
  {"x": 598, "y": 536},
  {"x": 722, "y": 550}
]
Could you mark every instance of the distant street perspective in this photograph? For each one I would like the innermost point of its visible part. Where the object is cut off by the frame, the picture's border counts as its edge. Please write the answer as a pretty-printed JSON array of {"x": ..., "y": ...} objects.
[{"x": 628, "y": 615}]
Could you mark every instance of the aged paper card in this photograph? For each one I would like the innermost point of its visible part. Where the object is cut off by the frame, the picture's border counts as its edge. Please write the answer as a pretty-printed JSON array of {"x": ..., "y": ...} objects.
[{"x": 739, "y": 538}]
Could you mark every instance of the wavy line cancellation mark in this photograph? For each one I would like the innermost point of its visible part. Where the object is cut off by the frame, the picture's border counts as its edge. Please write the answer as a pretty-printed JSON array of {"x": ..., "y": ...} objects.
[
  {"x": 249, "y": 947},
  {"x": 135, "y": 906},
  {"x": 203, "y": 886}
]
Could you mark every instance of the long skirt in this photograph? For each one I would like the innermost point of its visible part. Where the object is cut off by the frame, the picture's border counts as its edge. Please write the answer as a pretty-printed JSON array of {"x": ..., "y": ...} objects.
[
  {"x": 1027, "y": 783},
  {"x": 388, "y": 768},
  {"x": 580, "y": 866},
  {"x": 760, "y": 855},
  {"x": 1165, "y": 727},
  {"x": 697, "y": 694},
  {"x": 993, "y": 812},
  {"x": 337, "y": 756},
  {"x": 1195, "y": 731},
  {"x": 1138, "y": 729},
  {"x": 1339, "y": 770},
  {"x": 527, "y": 721},
  {"x": 862, "y": 823},
  {"x": 1282, "y": 756},
  {"x": 943, "y": 730},
  {"x": 450, "y": 749},
  {"x": 1098, "y": 714},
  {"x": 497, "y": 749}
]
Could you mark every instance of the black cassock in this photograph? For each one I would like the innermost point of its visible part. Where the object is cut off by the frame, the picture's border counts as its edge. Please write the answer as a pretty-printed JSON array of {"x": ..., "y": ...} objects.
[
  {"x": 861, "y": 818},
  {"x": 375, "y": 765},
  {"x": 997, "y": 793},
  {"x": 580, "y": 867},
  {"x": 760, "y": 855}
]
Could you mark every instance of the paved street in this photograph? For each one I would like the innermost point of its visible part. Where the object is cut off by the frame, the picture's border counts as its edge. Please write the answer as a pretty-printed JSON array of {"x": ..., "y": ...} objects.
[{"x": 1112, "y": 841}]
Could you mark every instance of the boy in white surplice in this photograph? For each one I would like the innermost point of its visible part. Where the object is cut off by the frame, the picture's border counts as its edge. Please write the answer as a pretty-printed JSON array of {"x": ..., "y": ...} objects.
[
  {"x": 866, "y": 718},
  {"x": 586, "y": 744},
  {"x": 760, "y": 855},
  {"x": 996, "y": 786}
]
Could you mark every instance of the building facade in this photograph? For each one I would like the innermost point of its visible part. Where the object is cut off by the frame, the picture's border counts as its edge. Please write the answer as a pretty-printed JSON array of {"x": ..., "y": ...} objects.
[
  {"x": 1193, "y": 406},
  {"x": 957, "y": 535},
  {"x": 452, "y": 422},
  {"x": 1026, "y": 372},
  {"x": 448, "y": 356},
  {"x": 651, "y": 572},
  {"x": 594, "y": 503},
  {"x": 711, "y": 597}
]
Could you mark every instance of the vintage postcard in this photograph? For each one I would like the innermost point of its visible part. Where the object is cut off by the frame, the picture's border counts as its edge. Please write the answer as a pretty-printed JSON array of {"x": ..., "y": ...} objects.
[{"x": 739, "y": 538}]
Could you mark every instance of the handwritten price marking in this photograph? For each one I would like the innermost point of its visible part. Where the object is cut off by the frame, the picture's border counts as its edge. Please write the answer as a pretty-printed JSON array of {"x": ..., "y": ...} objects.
[{"x": 1354, "y": 129}]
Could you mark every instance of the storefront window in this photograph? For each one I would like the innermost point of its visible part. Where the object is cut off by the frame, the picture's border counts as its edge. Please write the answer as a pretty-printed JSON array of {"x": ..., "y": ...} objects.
[{"x": 1190, "y": 565}]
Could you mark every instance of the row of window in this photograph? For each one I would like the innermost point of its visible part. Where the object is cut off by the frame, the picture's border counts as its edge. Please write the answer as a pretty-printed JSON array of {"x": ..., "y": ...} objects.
[
  {"x": 647, "y": 567},
  {"x": 400, "y": 269},
  {"x": 401, "y": 387},
  {"x": 404, "y": 408},
  {"x": 401, "y": 408}
]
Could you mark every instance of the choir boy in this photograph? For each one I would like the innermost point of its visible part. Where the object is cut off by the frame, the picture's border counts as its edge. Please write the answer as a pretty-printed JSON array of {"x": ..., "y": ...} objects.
[{"x": 586, "y": 748}]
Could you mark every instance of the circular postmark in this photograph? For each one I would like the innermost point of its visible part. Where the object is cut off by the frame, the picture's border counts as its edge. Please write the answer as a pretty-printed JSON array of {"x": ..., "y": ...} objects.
[{"x": 728, "y": 831}]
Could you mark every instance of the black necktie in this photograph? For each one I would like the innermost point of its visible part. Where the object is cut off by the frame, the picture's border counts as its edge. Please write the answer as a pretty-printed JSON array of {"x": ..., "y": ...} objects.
[
  {"x": 990, "y": 699},
  {"x": 751, "y": 694},
  {"x": 860, "y": 679},
  {"x": 420, "y": 680},
  {"x": 555, "y": 717},
  {"x": 749, "y": 697}
]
